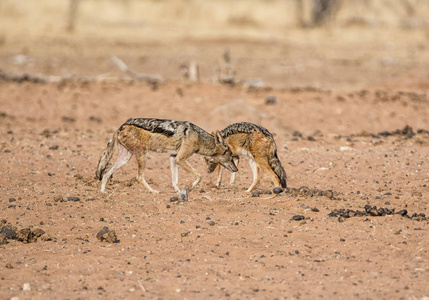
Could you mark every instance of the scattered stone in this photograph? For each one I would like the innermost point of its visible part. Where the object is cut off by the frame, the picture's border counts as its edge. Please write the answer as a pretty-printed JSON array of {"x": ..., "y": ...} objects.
[
  {"x": 328, "y": 194},
  {"x": 277, "y": 190},
  {"x": 174, "y": 199},
  {"x": 403, "y": 212},
  {"x": 304, "y": 191},
  {"x": 270, "y": 100},
  {"x": 212, "y": 223},
  {"x": 9, "y": 231},
  {"x": 38, "y": 232},
  {"x": 9, "y": 266},
  {"x": 298, "y": 217},
  {"x": 58, "y": 198},
  {"x": 26, "y": 287},
  {"x": 406, "y": 133},
  {"x": 24, "y": 235},
  {"x": 106, "y": 235},
  {"x": 375, "y": 212},
  {"x": 75, "y": 199},
  {"x": 47, "y": 237}
]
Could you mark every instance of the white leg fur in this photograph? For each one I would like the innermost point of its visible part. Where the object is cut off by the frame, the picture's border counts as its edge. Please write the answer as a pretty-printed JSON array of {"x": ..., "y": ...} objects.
[
  {"x": 255, "y": 171},
  {"x": 174, "y": 173}
]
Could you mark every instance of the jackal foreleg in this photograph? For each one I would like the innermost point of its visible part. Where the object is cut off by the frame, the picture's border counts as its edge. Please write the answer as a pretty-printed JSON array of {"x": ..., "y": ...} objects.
[
  {"x": 219, "y": 175},
  {"x": 174, "y": 173},
  {"x": 235, "y": 159},
  {"x": 181, "y": 161}
]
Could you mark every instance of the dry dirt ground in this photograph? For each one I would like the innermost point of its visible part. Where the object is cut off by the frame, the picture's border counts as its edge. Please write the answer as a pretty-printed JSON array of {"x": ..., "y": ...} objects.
[{"x": 351, "y": 138}]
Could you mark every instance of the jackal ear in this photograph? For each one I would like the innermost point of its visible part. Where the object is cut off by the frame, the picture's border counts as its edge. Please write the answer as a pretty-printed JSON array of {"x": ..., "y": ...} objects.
[{"x": 219, "y": 138}]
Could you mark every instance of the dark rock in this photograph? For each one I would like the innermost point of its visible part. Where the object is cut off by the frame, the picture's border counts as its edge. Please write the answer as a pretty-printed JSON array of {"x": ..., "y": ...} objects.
[
  {"x": 9, "y": 231},
  {"x": 298, "y": 217},
  {"x": 270, "y": 100},
  {"x": 75, "y": 199},
  {"x": 403, "y": 212},
  {"x": 277, "y": 190}
]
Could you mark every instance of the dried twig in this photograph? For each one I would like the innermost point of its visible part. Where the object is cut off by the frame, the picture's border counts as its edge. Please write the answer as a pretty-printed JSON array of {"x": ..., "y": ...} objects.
[{"x": 153, "y": 79}]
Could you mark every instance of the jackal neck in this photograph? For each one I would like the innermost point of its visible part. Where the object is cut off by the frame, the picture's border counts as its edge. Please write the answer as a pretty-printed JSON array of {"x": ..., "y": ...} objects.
[
  {"x": 207, "y": 143},
  {"x": 243, "y": 127}
]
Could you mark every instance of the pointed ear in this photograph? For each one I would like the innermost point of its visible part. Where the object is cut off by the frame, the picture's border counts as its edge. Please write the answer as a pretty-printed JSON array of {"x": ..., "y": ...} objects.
[
  {"x": 219, "y": 138},
  {"x": 213, "y": 134}
]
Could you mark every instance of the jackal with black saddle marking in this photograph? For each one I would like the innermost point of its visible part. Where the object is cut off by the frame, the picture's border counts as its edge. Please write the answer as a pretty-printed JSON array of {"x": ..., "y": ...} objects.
[
  {"x": 180, "y": 139},
  {"x": 257, "y": 143}
]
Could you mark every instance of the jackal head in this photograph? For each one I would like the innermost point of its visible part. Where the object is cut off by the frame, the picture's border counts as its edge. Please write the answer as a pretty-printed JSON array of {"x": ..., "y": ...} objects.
[{"x": 222, "y": 156}]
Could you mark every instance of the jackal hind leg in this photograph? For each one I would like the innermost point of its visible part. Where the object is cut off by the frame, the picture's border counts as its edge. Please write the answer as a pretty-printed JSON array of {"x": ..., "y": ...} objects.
[
  {"x": 181, "y": 158},
  {"x": 141, "y": 156},
  {"x": 262, "y": 162},
  {"x": 174, "y": 173},
  {"x": 255, "y": 170},
  {"x": 124, "y": 156}
]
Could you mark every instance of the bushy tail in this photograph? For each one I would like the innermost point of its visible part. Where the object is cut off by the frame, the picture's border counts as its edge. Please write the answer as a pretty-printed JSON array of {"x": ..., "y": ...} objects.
[
  {"x": 277, "y": 168},
  {"x": 106, "y": 157}
]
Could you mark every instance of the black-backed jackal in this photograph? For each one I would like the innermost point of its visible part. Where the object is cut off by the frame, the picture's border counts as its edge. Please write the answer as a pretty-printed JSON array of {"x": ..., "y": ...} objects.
[
  {"x": 256, "y": 142},
  {"x": 180, "y": 139}
]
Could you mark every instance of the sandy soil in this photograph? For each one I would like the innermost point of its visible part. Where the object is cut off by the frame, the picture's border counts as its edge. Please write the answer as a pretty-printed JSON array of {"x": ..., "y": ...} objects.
[{"x": 338, "y": 126}]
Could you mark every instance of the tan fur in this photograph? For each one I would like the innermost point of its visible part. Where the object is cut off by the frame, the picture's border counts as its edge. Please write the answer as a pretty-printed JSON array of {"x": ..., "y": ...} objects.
[
  {"x": 259, "y": 147},
  {"x": 180, "y": 139}
]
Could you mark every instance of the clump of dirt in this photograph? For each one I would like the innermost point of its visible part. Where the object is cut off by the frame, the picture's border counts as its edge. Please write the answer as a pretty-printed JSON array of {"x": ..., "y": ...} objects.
[
  {"x": 25, "y": 235},
  {"x": 302, "y": 191},
  {"x": 375, "y": 212},
  {"x": 107, "y": 235},
  {"x": 407, "y": 133}
]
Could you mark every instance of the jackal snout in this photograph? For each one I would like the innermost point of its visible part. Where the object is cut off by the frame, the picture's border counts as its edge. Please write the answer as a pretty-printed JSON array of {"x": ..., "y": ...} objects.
[
  {"x": 229, "y": 164},
  {"x": 224, "y": 156}
]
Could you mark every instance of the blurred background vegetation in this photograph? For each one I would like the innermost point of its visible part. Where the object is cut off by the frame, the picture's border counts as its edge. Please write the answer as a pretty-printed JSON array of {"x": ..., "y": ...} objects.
[
  {"x": 288, "y": 42},
  {"x": 160, "y": 19}
]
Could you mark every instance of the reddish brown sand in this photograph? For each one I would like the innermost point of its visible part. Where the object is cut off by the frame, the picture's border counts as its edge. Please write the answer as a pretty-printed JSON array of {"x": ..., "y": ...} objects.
[{"x": 222, "y": 242}]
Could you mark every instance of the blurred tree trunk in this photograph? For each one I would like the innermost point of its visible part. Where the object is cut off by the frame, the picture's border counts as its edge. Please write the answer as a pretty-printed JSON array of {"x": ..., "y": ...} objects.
[
  {"x": 323, "y": 11},
  {"x": 300, "y": 13},
  {"x": 73, "y": 10}
]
